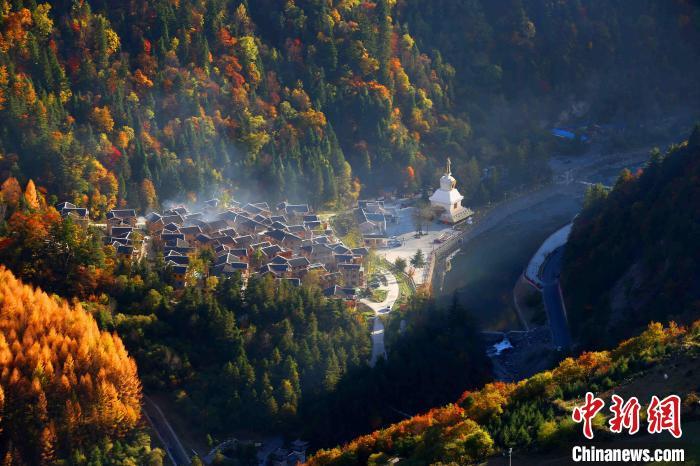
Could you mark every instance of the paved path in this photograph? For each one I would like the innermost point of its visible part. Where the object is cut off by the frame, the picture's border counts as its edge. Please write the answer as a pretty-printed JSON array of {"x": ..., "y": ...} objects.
[
  {"x": 384, "y": 307},
  {"x": 146, "y": 250},
  {"x": 554, "y": 301},
  {"x": 176, "y": 452},
  {"x": 378, "y": 349}
]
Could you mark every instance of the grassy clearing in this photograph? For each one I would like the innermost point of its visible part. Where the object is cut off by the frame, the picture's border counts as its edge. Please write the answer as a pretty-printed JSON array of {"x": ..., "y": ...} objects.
[
  {"x": 378, "y": 296},
  {"x": 345, "y": 227},
  {"x": 406, "y": 289},
  {"x": 366, "y": 311}
]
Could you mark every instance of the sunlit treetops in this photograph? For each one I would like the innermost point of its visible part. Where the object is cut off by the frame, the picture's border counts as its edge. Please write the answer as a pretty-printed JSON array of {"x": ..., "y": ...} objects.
[
  {"x": 485, "y": 421},
  {"x": 139, "y": 98},
  {"x": 63, "y": 382}
]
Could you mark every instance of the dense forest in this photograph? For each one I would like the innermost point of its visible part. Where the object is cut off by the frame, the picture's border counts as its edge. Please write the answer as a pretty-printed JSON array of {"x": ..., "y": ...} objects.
[
  {"x": 533, "y": 415},
  {"x": 238, "y": 360},
  {"x": 270, "y": 346},
  {"x": 438, "y": 355},
  {"x": 68, "y": 391},
  {"x": 42, "y": 248},
  {"x": 136, "y": 102},
  {"x": 509, "y": 51},
  {"x": 632, "y": 255}
]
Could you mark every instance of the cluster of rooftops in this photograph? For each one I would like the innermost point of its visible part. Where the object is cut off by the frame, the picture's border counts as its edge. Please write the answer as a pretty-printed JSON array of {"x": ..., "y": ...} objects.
[
  {"x": 287, "y": 241},
  {"x": 372, "y": 219}
]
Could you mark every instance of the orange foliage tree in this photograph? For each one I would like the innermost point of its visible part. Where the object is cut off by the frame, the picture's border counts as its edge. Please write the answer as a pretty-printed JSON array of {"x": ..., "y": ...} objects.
[
  {"x": 11, "y": 192},
  {"x": 148, "y": 191},
  {"x": 40, "y": 246},
  {"x": 64, "y": 384},
  {"x": 102, "y": 118},
  {"x": 30, "y": 195}
]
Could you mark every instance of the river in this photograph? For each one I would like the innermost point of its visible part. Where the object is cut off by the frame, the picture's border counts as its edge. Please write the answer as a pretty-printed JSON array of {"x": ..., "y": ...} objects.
[{"x": 486, "y": 268}]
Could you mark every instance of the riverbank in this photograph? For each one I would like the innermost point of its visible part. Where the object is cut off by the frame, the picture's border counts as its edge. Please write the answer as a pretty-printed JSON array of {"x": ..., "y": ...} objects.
[
  {"x": 518, "y": 354},
  {"x": 492, "y": 252},
  {"x": 554, "y": 241},
  {"x": 487, "y": 258},
  {"x": 489, "y": 217}
]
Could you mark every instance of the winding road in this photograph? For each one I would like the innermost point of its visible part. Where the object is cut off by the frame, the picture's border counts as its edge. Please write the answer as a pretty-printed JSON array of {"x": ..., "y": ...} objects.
[
  {"x": 553, "y": 299},
  {"x": 392, "y": 287},
  {"x": 176, "y": 452}
]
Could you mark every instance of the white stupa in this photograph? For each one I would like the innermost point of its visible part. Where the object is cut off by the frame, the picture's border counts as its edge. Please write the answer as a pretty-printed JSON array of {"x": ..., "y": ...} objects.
[{"x": 448, "y": 198}]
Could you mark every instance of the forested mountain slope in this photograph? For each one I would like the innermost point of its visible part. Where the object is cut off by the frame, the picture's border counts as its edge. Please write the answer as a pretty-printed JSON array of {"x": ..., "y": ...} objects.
[
  {"x": 633, "y": 254},
  {"x": 533, "y": 416},
  {"x": 139, "y": 102},
  {"x": 621, "y": 57},
  {"x": 438, "y": 355},
  {"x": 239, "y": 360}
]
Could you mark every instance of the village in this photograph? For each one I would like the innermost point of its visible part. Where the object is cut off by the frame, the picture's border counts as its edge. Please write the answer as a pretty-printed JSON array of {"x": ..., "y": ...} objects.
[{"x": 289, "y": 242}]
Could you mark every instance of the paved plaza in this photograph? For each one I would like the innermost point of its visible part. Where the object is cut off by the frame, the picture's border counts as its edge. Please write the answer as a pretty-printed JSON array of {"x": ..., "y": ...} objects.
[{"x": 406, "y": 244}]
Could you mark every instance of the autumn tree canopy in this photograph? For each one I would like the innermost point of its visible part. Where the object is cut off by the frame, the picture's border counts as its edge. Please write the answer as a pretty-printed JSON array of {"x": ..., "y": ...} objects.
[
  {"x": 64, "y": 384},
  {"x": 316, "y": 99},
  {"x": 526, "y": 415}
]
